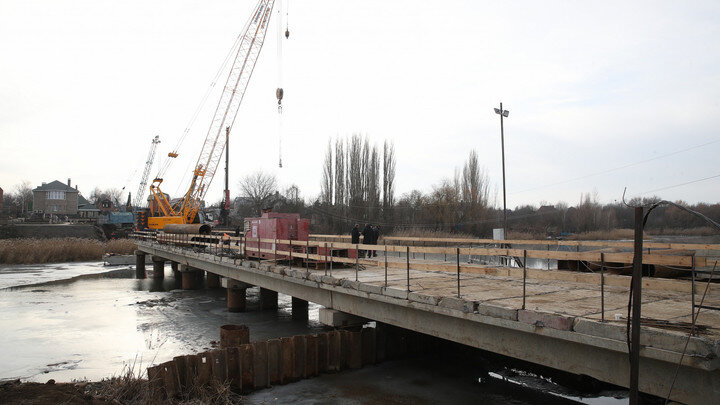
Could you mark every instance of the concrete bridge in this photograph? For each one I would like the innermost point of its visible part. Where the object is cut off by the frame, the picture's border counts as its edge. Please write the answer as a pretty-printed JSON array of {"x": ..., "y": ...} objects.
[{"x": 563, "y": 320}]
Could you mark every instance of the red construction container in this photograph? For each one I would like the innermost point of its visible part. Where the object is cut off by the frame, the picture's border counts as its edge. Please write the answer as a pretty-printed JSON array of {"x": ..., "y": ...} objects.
[{"x": 274, "y": 225}]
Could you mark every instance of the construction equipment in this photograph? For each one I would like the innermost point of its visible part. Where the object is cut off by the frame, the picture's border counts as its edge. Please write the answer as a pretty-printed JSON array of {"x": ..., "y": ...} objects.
[
  {"x": 138, "y": 202},
  {"x": 186, "y": 210}
]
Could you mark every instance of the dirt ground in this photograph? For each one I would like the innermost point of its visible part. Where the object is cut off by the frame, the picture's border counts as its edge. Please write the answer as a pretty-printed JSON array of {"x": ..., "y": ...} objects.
[{"x": 36, "y": 393}]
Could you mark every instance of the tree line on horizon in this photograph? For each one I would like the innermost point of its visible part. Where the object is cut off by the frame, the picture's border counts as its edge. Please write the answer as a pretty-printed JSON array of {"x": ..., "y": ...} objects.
[{"x": 358, "y": 186}]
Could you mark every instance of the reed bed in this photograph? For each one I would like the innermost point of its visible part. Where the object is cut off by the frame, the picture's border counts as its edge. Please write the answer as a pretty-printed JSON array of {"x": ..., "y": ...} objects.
[{"x": 55, "y": 250}]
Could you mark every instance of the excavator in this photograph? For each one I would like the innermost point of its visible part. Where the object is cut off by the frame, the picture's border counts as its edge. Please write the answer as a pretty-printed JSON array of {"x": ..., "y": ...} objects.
[{"x": 185, "y": 211}]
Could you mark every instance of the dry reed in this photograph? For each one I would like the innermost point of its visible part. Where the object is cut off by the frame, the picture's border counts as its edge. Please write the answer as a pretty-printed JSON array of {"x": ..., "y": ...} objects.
[{"x": 55, "y": 250}]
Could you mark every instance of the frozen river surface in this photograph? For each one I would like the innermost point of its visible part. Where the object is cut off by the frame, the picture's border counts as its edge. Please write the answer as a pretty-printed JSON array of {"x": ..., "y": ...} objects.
[{"x": 75, "y": 321}]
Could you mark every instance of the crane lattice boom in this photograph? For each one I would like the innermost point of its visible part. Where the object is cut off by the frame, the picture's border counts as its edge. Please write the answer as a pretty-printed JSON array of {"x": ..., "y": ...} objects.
[
  {"x": 225, "y": 114},
  {"x": 143, "y": 180}
]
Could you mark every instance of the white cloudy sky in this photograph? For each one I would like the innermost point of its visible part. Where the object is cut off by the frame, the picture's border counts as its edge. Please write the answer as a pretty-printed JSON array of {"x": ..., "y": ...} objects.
[{"x": 602, "y": 95}]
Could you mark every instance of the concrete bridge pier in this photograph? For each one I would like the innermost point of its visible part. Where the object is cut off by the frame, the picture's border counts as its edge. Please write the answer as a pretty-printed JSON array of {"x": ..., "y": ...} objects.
[
  {"x": 158, "y": 267},
  {"x": 268, "y": 298},
  {"x": 140, "y": 264},
  {"x": 175, "y": 266},
  {"x": 236, "y": 294},
  {"x": 299, "y": 309},
  {"x": 213, "y": 280},
  {"x": 191, "y": 278}
]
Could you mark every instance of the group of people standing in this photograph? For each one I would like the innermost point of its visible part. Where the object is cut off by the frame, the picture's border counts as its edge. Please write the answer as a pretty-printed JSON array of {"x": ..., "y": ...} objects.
[{"x": 370, "y": 234}]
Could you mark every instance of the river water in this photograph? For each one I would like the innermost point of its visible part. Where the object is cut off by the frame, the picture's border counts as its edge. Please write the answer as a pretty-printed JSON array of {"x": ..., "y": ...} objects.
[{"x": 75, "y": 321}]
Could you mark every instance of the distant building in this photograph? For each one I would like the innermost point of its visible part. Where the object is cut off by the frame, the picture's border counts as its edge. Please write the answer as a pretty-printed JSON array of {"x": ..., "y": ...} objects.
[
  {"x": 56, "y": 198},
  {"x": 86, "y": 210},
  {"x": 1, "y": 198}
]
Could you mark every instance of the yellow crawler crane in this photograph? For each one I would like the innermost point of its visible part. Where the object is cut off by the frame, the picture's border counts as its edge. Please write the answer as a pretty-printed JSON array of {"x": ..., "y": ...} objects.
[{"x": 251, "y": 42}]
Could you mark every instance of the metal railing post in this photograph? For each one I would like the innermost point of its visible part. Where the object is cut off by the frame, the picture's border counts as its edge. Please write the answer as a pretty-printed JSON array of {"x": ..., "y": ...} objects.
[
  {"x": 275, "y": 251},
  {"x": 331, "y": 257},
  {"x": 602, "y": 287},
  {"x": 524, "y": 277},
  {"x": 386, "y": 264},
  {"x": 692, "y": 287},
  {"x": 457, "y": 257},
  {"x": 326, "y": 260},
  {"x": 548, "y": 260},
  {"x": 291, "y": 259},
  {"x": 307, "y": 255},
  {"x": 357, "y": 261},
  {"x": 407, "y": 264}
]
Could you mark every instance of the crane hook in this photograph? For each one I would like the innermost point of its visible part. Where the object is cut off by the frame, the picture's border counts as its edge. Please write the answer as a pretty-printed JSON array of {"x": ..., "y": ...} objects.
[{"x": 287, "y": 33}]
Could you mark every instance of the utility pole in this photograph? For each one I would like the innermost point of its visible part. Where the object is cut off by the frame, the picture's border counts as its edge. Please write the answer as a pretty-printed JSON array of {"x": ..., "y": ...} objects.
[
  {"x": 226, "y": 207},
  {"x": 636, "y": 309},
  {"x": 503, "y": 113}
]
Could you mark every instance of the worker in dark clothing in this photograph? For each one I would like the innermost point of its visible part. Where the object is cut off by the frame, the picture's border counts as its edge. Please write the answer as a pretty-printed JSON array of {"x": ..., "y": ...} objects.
[
  {"x": 237, "y": 235},
  {"x": 355, "y": 236},
  {"x": 376, "y": 237},
  {"x": 368, "y": 234}
]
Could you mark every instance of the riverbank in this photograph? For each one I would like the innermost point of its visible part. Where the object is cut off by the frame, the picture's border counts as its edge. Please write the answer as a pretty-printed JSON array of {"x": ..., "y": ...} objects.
[{"x": 59, "y": 250}]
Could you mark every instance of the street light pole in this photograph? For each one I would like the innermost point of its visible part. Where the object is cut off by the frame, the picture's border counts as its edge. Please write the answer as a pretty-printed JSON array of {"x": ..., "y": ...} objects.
[{"x": 503, "y": 113}]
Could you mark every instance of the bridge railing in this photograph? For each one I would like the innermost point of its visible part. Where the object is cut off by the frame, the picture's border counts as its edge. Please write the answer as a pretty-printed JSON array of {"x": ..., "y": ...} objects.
[{"x": 348, "y": 255}]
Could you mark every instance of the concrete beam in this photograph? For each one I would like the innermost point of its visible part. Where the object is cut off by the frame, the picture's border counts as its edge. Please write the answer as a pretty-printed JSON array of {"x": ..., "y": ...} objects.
[{"x": 335, "y": 318}]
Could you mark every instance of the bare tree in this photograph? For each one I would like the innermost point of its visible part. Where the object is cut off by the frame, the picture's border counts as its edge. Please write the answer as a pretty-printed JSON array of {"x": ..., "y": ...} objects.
[
  {"x": 475, "y": 192},
  {"x": 326, "y": 188},
  {"x": 24, "y": 195},
  {"x": 388, "y": 178},
  {"x": 355, "y": 177},
  {"x": 340, "y": 173},
  {"x": 260, "y": 188}
]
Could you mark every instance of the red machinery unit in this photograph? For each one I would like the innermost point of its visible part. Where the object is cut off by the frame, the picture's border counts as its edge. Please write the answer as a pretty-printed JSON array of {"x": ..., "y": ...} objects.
[{"x": 274, "y": 225}]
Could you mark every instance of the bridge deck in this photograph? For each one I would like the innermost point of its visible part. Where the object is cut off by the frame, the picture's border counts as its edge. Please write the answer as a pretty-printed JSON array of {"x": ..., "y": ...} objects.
[
  {"x": 559, "y": 328},
  {"x": 577, "y": 299}
]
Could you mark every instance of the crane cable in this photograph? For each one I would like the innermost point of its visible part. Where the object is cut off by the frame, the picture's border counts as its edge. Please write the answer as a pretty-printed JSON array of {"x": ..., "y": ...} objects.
[
  {"x": 233, "y": 50},
  {"x": 279, "y": 92}
]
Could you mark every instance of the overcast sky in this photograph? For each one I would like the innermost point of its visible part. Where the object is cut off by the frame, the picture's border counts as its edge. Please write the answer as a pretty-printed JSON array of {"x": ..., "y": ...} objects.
[{"x": 601, "y": 96}]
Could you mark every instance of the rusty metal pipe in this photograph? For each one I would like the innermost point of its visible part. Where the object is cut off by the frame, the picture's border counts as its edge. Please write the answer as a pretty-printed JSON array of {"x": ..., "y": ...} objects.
[{"x": 188, "y": 229}]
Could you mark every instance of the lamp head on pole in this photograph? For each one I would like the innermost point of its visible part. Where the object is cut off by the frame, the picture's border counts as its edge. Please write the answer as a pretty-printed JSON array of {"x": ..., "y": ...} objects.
[{"x": 504, "y": 113}]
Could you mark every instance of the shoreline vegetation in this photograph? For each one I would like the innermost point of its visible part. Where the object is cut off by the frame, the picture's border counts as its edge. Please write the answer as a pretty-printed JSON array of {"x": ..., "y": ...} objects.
[{"x": 58, "y": 250}]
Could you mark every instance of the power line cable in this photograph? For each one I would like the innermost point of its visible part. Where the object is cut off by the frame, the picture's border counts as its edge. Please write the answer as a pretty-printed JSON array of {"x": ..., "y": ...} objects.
[
  {"x": 681, "y": 184},
  {"x": 617, "y": 168}
]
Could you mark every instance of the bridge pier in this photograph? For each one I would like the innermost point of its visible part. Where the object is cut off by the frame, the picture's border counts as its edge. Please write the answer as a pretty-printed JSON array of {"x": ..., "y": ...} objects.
[
  {"x": 191, "y": 277},
  {"x": 299, "y": 309},
  {"x": 268, "y": 298},
  {"x": 140, "y": 264},
  {"x": 213, "y": 280},
  {"x": 175, "y": 269},
  {"x": 236, "y": 294},
  {"x": 158, "y": 267}
]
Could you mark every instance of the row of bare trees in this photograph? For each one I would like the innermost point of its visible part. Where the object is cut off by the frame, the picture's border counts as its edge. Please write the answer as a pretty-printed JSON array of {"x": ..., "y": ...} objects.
[{"x": 358, "y": 183}]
